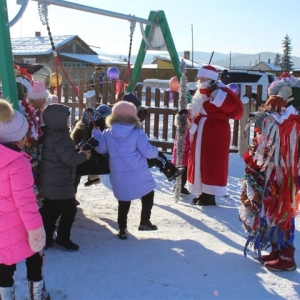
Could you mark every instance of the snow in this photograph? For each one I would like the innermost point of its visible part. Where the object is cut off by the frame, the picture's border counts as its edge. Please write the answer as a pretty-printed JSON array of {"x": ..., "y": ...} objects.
[{"x": 197, "y": 252}]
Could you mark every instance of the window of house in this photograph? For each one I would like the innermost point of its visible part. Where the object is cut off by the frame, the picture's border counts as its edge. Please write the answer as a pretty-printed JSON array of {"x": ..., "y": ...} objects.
[
  {"x": 70, "y": 64},
  {"x": 31, "y": 61}
]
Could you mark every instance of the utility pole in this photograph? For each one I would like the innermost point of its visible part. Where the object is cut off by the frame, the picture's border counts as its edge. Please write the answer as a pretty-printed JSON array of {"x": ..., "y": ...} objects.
[
  {"x": 6, "y": 59},
  {"x": 192, "y": 46}
]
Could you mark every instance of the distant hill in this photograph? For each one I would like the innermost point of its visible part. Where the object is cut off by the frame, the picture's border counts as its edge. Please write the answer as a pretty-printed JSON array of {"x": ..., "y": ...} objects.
[{"x": 238, "y": 60}]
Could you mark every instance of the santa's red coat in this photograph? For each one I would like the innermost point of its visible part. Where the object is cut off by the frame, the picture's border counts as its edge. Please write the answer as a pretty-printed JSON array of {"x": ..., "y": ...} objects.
[{"x": 210, "y": 142}]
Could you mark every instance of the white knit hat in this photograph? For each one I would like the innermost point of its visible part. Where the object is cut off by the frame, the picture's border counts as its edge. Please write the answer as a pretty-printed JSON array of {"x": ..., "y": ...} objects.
[
  {"x": 13, "y": 125},
  {"x": 208, "y": 72},
  {"x": 38, "y": 91}
]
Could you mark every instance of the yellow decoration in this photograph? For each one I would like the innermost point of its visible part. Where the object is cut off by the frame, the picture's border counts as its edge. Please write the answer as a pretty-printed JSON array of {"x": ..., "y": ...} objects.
[{"x": 53, "y": 79}]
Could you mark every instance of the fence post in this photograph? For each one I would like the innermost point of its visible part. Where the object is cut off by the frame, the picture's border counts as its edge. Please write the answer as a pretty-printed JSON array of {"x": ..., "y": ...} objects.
[{"x": 244, "y": 134}]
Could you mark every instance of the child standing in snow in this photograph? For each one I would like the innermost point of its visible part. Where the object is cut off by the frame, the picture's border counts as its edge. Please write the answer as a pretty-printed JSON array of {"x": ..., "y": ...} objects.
[
  {"x": 128, "y": 148},
  {"x": 22, "y": 234},
  {"x": 59, "y": 161}
]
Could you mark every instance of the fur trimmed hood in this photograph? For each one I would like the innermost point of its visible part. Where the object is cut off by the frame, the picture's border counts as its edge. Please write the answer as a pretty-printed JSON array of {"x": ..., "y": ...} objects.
[{"x": 125, "y": 120}]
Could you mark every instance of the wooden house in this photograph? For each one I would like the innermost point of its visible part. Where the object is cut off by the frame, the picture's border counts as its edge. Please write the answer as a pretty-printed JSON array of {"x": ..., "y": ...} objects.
[
  {"x": 72, "y": 52},
  {"x": 266, "y": 66}
]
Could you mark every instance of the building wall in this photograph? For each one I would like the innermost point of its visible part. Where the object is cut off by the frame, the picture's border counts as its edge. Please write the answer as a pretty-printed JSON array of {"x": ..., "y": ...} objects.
[{"x": 162, "y": 64}]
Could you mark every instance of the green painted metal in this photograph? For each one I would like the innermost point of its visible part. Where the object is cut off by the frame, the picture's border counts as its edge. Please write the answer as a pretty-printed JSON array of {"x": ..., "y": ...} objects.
[
  {"x": 141, "y": 56},
  {"x": 160, "y": 17},
  {"x": 6, "y": 59}
]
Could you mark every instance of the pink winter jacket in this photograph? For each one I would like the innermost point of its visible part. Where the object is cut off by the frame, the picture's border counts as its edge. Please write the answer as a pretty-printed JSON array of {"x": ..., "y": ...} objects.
[{"x": 18, "y": 208}]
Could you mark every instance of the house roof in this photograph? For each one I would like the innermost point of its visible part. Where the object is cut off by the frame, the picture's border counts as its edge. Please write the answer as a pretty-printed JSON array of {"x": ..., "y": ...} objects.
[
  {"x": 38, "y": 45},
  {"x": 189, "y": 63},
  {"x": 269, "y": 65},
  {"x": 94, "y": 59}
]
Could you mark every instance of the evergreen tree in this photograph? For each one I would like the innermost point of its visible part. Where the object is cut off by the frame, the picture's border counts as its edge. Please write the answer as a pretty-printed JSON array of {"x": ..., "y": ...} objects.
[
  {"x": 277, "y": 60},
  {"x": 286, "y": 63}
]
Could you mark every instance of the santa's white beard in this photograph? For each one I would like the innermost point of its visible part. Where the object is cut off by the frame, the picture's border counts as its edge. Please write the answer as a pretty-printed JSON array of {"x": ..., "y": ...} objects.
[
  {"x": 203, "y": 85},
  {"x": 197, "y": 102}
]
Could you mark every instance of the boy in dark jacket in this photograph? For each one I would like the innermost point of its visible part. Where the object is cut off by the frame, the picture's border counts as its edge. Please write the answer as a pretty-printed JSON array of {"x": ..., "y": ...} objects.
[{"x": 59, "y": 161}]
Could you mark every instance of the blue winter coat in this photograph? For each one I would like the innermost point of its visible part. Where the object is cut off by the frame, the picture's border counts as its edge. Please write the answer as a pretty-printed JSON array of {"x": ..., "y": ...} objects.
[{"x": 128, "y": 148}]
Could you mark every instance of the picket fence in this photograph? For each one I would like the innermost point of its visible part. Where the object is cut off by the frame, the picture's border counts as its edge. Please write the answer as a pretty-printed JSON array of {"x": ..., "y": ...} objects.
[{"x": 161, "y": 110}]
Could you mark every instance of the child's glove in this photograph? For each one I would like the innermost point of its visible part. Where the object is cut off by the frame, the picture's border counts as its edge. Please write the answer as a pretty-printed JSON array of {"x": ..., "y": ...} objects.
[
  {"x": 96, "y": 133},
  {"x": 142, "y": 113},
  {"x": 90, "y": 144},
  {"x": 37, "y": 239}
]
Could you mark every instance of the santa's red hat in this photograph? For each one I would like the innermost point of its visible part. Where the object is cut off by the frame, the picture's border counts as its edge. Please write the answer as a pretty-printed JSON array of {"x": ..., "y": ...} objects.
[
  {"x": 285, "y": 75},
  {"x": 208, "y": 72}
]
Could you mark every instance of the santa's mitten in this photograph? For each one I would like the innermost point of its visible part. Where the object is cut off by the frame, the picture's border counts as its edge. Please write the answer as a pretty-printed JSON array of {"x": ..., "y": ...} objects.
[
  {"x": 209, "y": 90},
  {"x": 206, "y": 92},
  {"x": 37, "y": 239}
]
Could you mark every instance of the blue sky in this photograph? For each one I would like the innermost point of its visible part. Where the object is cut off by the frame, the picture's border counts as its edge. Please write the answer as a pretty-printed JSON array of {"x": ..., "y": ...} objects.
[{"x": 245, "y": 26}]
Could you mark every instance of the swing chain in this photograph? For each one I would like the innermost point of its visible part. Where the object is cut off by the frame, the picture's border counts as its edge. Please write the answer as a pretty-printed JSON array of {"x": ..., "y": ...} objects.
[
  {"x": 43, "y": 13},
  {"x": 132, "y": 28}
]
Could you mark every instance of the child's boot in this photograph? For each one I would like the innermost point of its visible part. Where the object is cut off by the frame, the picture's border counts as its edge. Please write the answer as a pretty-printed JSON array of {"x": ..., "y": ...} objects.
[
  {"x": 284, "y": 262},
  {"x": 37, "y": 290},
  {"x": 147, "y": 226},
  {"x": 171, "y": 171},
  {"x": 7, "y": 293},
  {"x": 123, "y": 234},
  {"x": 273, "y": 255}
]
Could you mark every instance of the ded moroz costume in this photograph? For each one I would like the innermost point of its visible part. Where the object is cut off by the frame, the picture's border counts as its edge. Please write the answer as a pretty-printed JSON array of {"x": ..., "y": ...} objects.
[{"x": 212, "y": 106}]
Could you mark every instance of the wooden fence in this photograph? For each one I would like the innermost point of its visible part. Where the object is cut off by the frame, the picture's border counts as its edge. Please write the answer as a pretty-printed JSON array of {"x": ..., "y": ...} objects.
[{"x": 159, "y": 122}]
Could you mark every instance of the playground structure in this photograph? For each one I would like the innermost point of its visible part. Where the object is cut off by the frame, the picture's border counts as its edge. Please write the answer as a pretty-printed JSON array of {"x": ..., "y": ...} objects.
[{"x": 156, "y": 36}]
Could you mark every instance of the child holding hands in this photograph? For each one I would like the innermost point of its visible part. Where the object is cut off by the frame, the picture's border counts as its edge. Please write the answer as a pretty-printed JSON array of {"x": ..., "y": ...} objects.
[
  {"x": 128, "y": 148},
  {"x": 22, "y": 234},
  {"x": 58, "y": 168}
]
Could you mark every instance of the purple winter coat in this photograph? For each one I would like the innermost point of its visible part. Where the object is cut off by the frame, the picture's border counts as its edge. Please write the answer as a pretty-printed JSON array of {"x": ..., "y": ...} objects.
[
  {"x": 128, "y": 148},
  {"x": 18, "y": 207}
]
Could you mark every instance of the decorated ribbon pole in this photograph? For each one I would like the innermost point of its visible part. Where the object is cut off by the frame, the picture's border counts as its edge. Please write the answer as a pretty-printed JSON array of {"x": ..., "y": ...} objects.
[{"x": 181, "y": 126}]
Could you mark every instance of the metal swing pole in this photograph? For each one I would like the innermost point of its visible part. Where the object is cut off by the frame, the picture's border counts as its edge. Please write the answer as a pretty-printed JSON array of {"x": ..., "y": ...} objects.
[
  {"x": 6, "y": 59},
  {"x": 97, "y": 11}
]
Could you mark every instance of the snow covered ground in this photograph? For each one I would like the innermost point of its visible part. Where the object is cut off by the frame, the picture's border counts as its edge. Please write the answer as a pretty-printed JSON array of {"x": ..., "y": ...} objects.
[{"x": 197, "y": 252}]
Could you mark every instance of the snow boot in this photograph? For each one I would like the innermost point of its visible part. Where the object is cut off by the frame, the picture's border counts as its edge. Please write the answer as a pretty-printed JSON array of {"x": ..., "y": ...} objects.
[
  {"x": 147, "y": 226},
  {"x": 273, "y": 255},
  {"x": 123, "y": 234},
  {"x": 66, "y": 244},
  {"x": 7, "y": 293},
  {"x": 171, "y": 171},
  {"x": 195, "y": 200},
  {"x": 184, "y": 191},
  {"x": 37, "y": 290},
  {"x": 92, "y": 181},
  {"x": 206, "y": 200},
  {"x": 284, "y": 262}
]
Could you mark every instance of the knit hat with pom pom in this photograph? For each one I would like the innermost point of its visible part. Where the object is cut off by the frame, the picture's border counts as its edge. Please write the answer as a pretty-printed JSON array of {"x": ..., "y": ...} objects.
[
  {"x": 13, "y": 125},
  {"x": 124, "y": 108}
]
